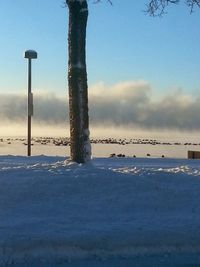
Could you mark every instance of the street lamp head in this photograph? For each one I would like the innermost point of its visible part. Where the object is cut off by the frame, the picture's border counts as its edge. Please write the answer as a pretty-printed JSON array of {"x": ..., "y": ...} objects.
[{"x": 30, "y": 54}]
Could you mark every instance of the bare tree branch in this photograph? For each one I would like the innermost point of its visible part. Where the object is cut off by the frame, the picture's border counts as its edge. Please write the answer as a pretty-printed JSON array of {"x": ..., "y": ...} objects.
[
  {"x": 97, "y": 1},
  {"x": 158, "y": 7},
  {"x": 192, "y": 3},
  {"x": 65, "y": 2}
]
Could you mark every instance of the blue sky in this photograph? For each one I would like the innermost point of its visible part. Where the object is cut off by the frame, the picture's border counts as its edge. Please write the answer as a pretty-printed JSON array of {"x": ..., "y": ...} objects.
[
  {"x": 123, "y": 43},
  {"x": 132, "y": 45},
  {"x": 132, "y": 58}
]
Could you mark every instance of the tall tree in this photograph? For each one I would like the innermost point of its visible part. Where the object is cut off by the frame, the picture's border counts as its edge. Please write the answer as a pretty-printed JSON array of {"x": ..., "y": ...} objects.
[
  {"x": 77, "y": 81},
  {"x": 77, "y": 72}
]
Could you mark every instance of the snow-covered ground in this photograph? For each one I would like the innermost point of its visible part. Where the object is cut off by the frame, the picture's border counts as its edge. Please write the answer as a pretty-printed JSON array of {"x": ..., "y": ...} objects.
[{"x": 110, "y": 212}]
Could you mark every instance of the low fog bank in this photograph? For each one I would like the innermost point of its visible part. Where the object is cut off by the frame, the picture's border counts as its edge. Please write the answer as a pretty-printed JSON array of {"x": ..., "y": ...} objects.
[
  {"x": 129, "y": 105},
  {"x": 48, "y": 108},
  {"x": 134, "y": 103},
  {"x": 38, "y": 129},
  {"x": 62, "y": 130}
]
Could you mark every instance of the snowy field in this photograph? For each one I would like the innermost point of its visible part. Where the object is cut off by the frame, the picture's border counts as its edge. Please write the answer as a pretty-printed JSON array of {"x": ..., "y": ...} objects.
[{"x": 111, "y": 212}]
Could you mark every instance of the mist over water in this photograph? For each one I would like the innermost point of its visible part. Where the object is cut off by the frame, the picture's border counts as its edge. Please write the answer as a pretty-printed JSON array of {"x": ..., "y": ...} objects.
[
  {"x": 13, "y": 129},
  {"x": 129, "y": 105},
  {"x": 128, "y": 109}
]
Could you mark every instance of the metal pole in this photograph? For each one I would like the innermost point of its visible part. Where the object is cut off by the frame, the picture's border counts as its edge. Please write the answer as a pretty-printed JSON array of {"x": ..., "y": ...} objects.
[
  {"x": 29, "y": 107},
  {"x": 29, "y": 54}
]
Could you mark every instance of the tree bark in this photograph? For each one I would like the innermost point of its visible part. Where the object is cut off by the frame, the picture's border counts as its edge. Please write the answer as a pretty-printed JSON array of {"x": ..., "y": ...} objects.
[{"x": 77, "y": 81}]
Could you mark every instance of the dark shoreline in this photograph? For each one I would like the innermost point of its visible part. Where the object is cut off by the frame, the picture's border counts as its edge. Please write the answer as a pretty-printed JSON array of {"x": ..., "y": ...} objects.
[{"x": 65, "y": 141}]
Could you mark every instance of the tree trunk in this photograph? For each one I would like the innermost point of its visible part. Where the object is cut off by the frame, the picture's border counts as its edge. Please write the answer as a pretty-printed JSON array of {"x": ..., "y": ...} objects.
[{"x": 77, "y": 81}]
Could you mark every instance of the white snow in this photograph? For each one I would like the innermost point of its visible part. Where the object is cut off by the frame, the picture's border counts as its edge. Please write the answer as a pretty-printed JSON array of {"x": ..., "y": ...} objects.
[
  {"x": 87, "y": 145},
  {"x": 108, "y": 211}
]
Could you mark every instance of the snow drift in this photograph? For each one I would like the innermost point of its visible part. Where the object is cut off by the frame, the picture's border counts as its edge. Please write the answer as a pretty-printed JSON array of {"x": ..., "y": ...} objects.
[{"x": 52, "y": 210}]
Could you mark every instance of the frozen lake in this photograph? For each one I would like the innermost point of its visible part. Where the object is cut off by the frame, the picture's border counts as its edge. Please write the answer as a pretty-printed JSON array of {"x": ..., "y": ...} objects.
[{"x": 170, "y": 148}]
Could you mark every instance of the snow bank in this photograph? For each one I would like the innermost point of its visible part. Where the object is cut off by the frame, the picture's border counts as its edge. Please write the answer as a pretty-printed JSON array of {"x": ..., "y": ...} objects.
[{"x": 52, "y": 210}]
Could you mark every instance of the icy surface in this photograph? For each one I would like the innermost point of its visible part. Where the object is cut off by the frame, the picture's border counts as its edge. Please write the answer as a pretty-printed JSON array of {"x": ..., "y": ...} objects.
[
  {"x": 53, "y": 210},
  {"x": 16, "y": 147}
]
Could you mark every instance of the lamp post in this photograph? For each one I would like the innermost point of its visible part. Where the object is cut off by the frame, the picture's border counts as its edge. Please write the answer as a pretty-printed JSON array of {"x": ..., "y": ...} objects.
[{"x": 29, "y": 54}]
